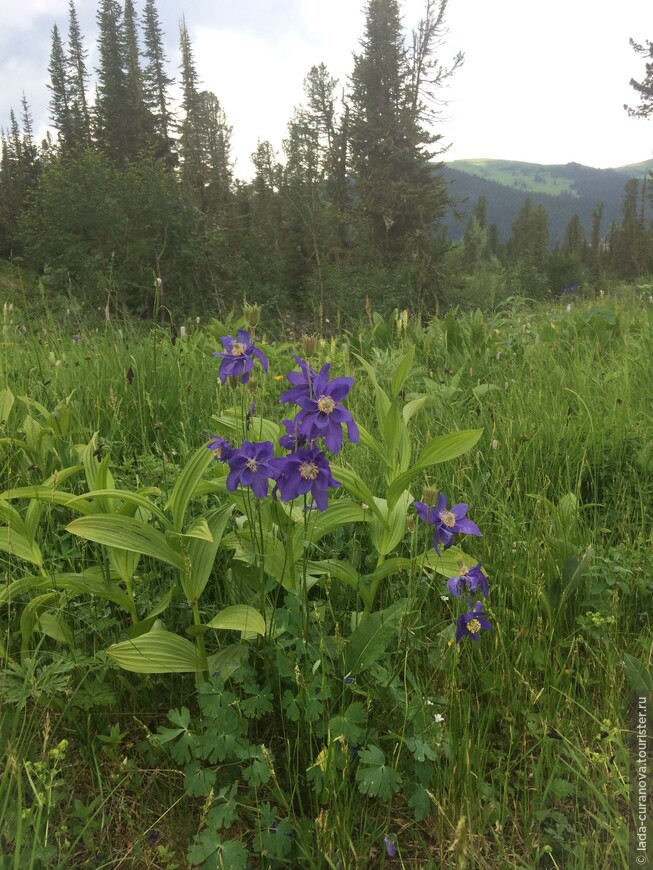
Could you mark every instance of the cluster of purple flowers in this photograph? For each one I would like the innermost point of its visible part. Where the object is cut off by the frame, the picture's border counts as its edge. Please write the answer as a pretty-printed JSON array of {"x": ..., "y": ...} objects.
[
  {"x": 447, "y": 522},
  {"x": 305, "y": 468}
]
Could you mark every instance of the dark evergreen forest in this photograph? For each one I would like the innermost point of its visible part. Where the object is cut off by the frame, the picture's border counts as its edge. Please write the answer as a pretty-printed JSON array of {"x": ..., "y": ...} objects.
[{"x": 132, "y": 199}]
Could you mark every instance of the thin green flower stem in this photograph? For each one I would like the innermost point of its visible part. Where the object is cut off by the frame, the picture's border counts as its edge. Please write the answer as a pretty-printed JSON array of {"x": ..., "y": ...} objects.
[
  {"x": 304, "y": 591},
  {"x": 203, "y": 673}
]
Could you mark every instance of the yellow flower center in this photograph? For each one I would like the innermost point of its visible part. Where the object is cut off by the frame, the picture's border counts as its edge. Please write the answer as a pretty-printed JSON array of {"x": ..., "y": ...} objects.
[
  {"x": 309, "y": 470},
  {"x": 464, "y": 571},
  {"x": 238, "y": 348},
  {"x": 252, "y": 465},
  {"x": 218, "y": 452},
  {"x": 473, "y": 626},
  {"x": 326, "y": 404},
  {"x": 448, "y": 519}
]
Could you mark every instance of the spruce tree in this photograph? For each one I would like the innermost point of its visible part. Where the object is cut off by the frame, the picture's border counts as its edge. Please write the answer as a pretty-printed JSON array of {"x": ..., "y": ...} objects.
[
  {"x": 190, "y": 144},
  {"x": 401, "y": 194},
  {"x": 644, "y": 89},
  {"x": 77, "y": 83},
  {"x": 110, "y": 117},
  {"x": 59, "y": 91},
  {"x": 156, "y": 82}
]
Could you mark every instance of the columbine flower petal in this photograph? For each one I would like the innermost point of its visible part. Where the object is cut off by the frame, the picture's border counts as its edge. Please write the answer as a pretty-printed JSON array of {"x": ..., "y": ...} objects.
[
  {"x": 222, "y": 449},
  {"x": 471, "y": 624},
  {"x": 447, "y": 522},
  {"x": 302, "y": 382},
  {"x": 305, "y": 471},
  {"x": 252, "y": 466},
  {"x": 237, "y": 360},
  {"x": 470, "y": 579}
]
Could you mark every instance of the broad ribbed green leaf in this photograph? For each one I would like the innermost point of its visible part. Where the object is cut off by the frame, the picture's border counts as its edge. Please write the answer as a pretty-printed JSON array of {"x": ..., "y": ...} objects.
[
  {"x": 54, "y": 625},
  {"x": 202, "y": 554},
  {"x": 13, "y": 542},
  {"x": 355, "y": 485},
  {"x": 440, "y": 449},
  {"x": 138, "y": 500},
  {"x": 157, "y": 652},
  {"x": 339, "y": 569},
  {"x": 228, "y": 660},
  {"x": 372, "y": 444},
  {"x": 394, "y": 565},
  {"x": 6, "y": 404},
  {"x": 387, "y": 534},
  {"x": 197, "y": 531},
  {"x": 12, "y": 518},
  {"x": 88, "y": 583},
  {"x": 126, "y": 533},
  {"x": 341, "y": 512},
  {"x": 411, "y": 408},
  {"x": 449, "y": 562},
  {"x": 52, "y": 496},
  {"x": 447, "y": 447},
  {"x": 239, "y": 617},
  {"x": 370, "y": 638},
  {"x": 401, "y": 372},
  {"x": 185, "y": 485}
]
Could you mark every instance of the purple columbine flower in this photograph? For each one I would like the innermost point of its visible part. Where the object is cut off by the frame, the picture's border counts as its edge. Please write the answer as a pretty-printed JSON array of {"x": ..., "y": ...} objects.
[
  {"x": 293, "y": 440},
  {"x": 302, "y": 472},
  {"x": 321, "y": 415},
  {"x": 302, "y": 382},
  {"x": 390, "y": 845},
  {"x": 252, "y": 466},
  {"x": 222, "y": 449},
  {"x": 447, "y": 522},
  {"x": 471, "y": 623},
  {"x": 237, "y": 361},
  {"x": 470, "y": 578}
]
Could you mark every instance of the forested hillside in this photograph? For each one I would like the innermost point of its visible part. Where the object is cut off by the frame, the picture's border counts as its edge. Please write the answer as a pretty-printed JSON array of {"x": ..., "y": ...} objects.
[{"x": 562, "y": 190}]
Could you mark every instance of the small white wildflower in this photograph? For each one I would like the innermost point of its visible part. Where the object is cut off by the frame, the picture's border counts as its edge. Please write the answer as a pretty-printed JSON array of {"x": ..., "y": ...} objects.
[
  {"x": 439, "y": 718},
  {"x": 365, "y": 506},
  {"x": 182, "y": 332}
]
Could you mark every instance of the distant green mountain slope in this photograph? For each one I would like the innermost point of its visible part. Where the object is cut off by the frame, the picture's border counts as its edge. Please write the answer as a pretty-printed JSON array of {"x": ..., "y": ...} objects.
[{"x": 564, "y": 190}]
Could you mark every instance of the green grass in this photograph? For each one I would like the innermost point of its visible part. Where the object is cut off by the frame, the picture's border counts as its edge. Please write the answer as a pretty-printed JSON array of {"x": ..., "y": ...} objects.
[{"x": 531, "y": 764}]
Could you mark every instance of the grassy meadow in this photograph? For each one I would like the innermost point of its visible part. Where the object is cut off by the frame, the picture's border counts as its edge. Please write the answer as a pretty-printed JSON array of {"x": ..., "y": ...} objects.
[{"x": 331, "y": 720}]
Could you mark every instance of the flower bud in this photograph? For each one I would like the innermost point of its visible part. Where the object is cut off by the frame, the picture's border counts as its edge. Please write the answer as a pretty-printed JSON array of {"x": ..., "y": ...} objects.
[
  {"x": 309, "y": 344},
  {"x": 429, "y": 495},
  {"x": 252, "y": 314}
]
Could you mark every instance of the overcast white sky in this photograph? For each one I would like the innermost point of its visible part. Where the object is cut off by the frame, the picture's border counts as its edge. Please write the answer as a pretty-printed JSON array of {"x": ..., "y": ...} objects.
[{"x": 543, "y": 82}]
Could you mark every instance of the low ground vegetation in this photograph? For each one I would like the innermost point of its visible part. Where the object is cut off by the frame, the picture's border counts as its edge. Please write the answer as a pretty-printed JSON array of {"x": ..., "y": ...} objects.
[{"x": 197, "y": 669}]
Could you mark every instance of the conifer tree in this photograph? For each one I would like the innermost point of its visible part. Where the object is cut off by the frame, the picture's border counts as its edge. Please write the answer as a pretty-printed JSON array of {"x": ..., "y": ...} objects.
[
  {"x": 190, "y": 145},
  {"x": 139, "y": 122},
  {"x": 644, "y": 89},
  {"x": 111, "y": 122},
  {"x": 204, "y": 141},
  {"x": 77, "y": 83},
  {"x": 59, "y": 90},
  {"x": 401, "y": 193},
  {"x": 156, "y": 82}
]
